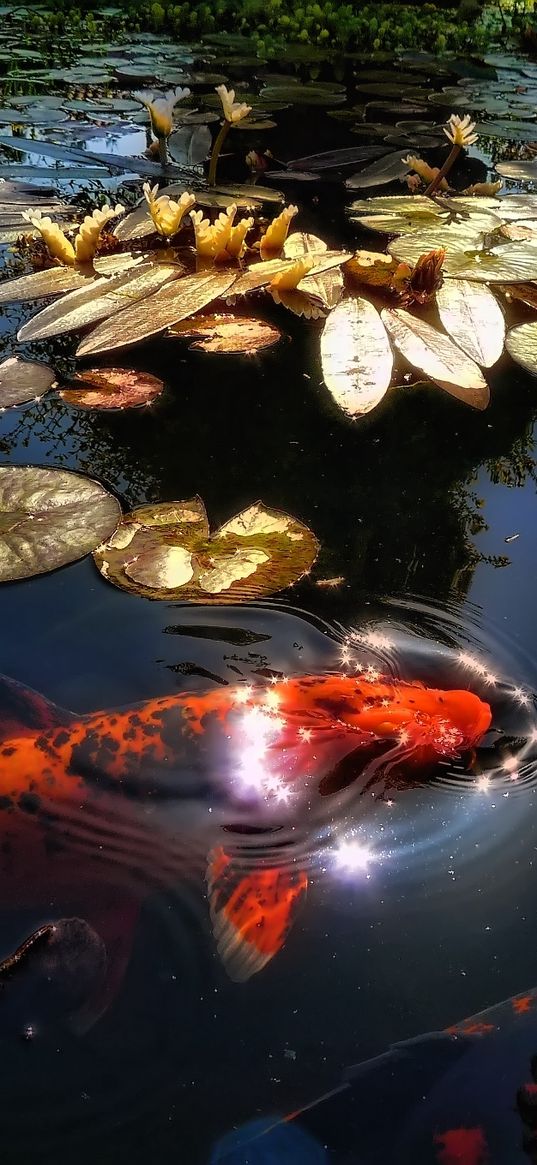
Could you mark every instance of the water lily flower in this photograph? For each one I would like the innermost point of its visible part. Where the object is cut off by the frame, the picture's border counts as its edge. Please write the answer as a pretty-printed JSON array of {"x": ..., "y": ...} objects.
[
  {"x": 236, "y": 244},
  {"x": 167, "y": 214},
  {"x": 460, "y": 130},
  {"x": 426, "y": 172},
  {"x": 160, "y": 107},
  {"x": 234, "y": 111},
  {"x": 89, "y": 232},
  {"x": 484, "y": 189},
  {"x": 59, "y": 247},
  {"x": 289, "y": 279},
  {"x": 276, "y": 233},
  {"x": 212, "y": 239}
]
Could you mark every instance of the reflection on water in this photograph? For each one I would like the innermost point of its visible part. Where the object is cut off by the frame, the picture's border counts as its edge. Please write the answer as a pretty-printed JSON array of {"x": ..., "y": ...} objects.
[{"x": 363, "y": 768}]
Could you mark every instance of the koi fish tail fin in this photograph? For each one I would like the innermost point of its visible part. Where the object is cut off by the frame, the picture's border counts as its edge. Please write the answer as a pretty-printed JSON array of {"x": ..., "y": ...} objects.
[
  {"x": 252, "y": 911},
  {"x": 24, "y": 712}
]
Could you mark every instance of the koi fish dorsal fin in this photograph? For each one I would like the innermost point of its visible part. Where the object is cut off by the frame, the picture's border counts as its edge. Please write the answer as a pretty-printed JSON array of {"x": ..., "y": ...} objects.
[
  {"x": 24, "y": 711},
  {"x": 251, "y": 911}
]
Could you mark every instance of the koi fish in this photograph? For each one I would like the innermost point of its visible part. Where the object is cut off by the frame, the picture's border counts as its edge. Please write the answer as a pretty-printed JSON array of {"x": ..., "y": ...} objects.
[
  {"x": 463, "y": 1096},
  {"x": 87, "y": 800}
]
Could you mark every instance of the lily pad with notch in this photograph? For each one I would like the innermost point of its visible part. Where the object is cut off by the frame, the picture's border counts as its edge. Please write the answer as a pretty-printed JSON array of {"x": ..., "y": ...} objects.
[{"x": 166, "y": 552}]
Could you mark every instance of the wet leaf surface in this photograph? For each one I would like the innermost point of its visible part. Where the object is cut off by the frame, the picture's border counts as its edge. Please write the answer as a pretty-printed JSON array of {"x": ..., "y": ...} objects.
[
  {"x": 49, "y": 518},
  {"x": 168, "y": 306},
  {"x": 23, "y": 380},
  {"x": 356, "y": 357},
  {"x": 166, "y": 551},
  {"x": 42, "y": 284},
  {"x": 433, "y": 353},
  {"x": 521, "y": 343},
  {"x": 227, "y": 333},
  {"x": 112, "y": 388},
  {"x": 473, "y": 318}
]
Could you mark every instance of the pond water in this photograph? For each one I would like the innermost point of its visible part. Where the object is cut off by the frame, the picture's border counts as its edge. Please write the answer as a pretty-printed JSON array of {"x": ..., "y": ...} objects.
[{"x": 425, "y": 512}]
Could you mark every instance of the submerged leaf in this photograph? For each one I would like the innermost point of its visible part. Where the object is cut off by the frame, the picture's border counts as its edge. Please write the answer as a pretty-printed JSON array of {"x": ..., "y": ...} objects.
[
  {"x": 165, "y": 551},
  {"x": 103, "y": 297},
  {"x": 165, "y": 308},
  {"x": 433, "y": 353},
  {"x": 23, "y": 380},
  {"x": 227, "y": 333},
  {"x": 112, "y": 388},
  {"x": 356, "y": 357},
  {"x": 49, "y": 518},
  {"x": 521, "y": 343},
  {"x": 473, "y": 318}
]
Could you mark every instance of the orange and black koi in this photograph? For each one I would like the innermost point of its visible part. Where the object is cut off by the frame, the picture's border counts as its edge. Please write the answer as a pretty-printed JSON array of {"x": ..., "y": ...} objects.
[
  {"x": 464, "y": 1096},
  {"x": 239, "y": 745}
]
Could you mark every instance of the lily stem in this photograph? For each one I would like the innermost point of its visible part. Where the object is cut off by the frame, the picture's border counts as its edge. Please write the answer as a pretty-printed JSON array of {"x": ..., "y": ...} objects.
[
  {"x": 224, "y": 130},
  {"x": 163, "y": 151},
  {"x": 449, "y": 162}
]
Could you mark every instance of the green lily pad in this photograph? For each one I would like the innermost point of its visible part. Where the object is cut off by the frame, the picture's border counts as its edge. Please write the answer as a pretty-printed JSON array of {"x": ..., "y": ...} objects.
[
  {"x": 49, "y": 518},
  {"x": 166, "y": 551}
]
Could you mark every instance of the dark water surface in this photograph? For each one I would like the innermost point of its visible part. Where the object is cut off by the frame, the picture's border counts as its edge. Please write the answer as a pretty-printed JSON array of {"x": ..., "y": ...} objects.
[{"x": 413, "y": 507}]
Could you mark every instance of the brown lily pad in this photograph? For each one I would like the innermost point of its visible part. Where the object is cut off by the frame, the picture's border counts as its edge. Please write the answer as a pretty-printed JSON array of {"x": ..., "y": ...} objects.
[
  {"x": 166, "y": 551},
  {"x": 228, "y": 333},
  {"x": 112, "y": 388}
]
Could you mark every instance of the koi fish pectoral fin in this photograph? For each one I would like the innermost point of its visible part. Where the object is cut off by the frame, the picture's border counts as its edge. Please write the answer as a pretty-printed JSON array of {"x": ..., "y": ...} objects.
[
  {"x": 252, "y": 911},
  {"x": 24, "y": 712},
  {"x": 363, "y": 760}
]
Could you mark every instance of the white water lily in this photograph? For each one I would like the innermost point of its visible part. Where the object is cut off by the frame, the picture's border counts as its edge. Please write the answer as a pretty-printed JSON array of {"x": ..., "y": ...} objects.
[
  {"x": 220, "y": 240},
  {"x": 160, "y": 107},
  {"x": 460, "y": 130},
  {"x": 276, "y": 233},
  {"x": 289, "y": 279},
  {"x": 59, "y": 247},
  {"x": 234, "y": 111},
  {"x": 167, "y": 214}
]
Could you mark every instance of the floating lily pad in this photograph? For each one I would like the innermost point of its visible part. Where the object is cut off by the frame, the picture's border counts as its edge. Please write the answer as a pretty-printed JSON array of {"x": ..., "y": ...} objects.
[
  {"x": 356, "y": 357},
  {"x": 166, "y": 551},
  {"x": 227, "y": 333},
  {"x": 473, "y": 318},
  {"x": 433, "y": 353},
  {"x": 387, "y": 169},
  {"x": 326, "y": 286},
  {"x": 521, "y": 343},
  {"x": 49, "y": 518},
  {"x": 101, "y": 298},
  {"x": 303, "y": 95},
  {"x": 42, "y": 284},
  {"x": 112, "y": 388},
  {"x": 23, "y": 380},
  {"x": 170, "y": 304}
]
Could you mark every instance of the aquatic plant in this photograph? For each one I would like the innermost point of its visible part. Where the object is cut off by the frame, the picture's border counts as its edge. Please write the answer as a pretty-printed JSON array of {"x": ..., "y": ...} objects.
[
  {"x": 234, "y": 111},
  {"x": 160, "y": 107}
]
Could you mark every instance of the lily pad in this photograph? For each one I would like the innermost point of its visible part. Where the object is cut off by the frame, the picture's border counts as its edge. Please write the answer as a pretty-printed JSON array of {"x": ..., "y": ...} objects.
[
  {"x": 386, "y": 169},
  {"x": 49, "y": 518},
  {"x": 433, "y": 353},
  {"x": 166, "y": 551},
  {"x": 227, "y": 333},
  {"x": 112, "y": 388},
  {"x": 23, "y": 380},
  {"x": 473, "y": 318},
  {"x": 170, "y": 304},
  {"x": 521, "y": 343},
  {"x": 102, "y": 297},
  {"x": 42, "y": 284},
  {"x": 356, "y": 357}
]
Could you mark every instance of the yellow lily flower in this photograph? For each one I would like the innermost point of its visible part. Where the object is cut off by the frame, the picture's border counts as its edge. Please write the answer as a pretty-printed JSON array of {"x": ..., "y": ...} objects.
[
  {"x": 87, "y": 239},
  {"x": 236, "y": 245},
  {"x": 276, "y": 233},
  {"x": 220, "y": 240},
  {"x": 58, "y": 245},
  {"x": 160, "y": 107},
  {"x": 460, "y": 130},
  {"x": 289, "y": 279},
  {"x": 426, "y": 172},
  {"x": 85, "y": 245},
  {"x": 234, "y": 111},
  {"x": 167, "y": 215}
]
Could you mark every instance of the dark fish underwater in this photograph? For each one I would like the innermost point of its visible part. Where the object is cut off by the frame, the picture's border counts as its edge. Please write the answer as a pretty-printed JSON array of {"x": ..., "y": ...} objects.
[
  {"x": 95, "y": 809},
  {"x": 465, "y": 1096}
]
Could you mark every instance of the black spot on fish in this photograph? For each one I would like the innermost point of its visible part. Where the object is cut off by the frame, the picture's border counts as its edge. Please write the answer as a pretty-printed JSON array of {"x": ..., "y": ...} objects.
[
  {"x": 6, "y": 803},
  {"x": 61, "y": 738},
  {"x": 29, "y": 802},
  {"x": 8, "y": 751}
]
